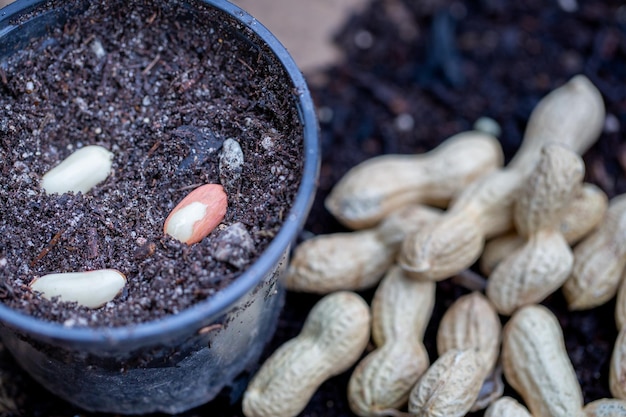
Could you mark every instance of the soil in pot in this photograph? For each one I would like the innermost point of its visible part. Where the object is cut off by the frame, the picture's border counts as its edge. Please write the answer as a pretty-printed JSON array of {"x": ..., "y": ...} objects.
[{"x": 162, "y": 88}]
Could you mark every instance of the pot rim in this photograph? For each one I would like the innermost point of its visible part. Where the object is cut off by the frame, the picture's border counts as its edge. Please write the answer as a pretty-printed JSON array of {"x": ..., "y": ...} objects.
[{"x": 218, "y": 303}]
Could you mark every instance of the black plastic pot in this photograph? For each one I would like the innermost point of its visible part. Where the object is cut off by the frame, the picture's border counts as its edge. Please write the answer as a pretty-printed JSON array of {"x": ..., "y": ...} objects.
[{"x": 182, "y": 361}]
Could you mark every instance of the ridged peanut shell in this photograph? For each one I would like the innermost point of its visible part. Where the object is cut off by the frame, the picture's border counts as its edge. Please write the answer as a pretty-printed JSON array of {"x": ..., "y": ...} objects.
[
  {"x": 605, "y": 407},
  {"x": 497, "y": 249},
  {"x": 536, "y": 364},
  {"x": 454, "y": 242},
  {"x": 373, "y": 189},
  {"x": 585, "y": 213},
  {"x": 617, "y": 370},
  {"x": 354, "y": 260},
  {"x": 401, "y": 310},
  {"x": 599, "y": 261},
  {"x": 530, "y": 274},
  {"x": 549, "y": 190},
  {"x": 441, "y": 249},
  {"x": 339, "y": 261},
  {"x": 394, "y": 228},
  {"x": 572, "y": 115},
  {"x": 506, "y": 407},
  {"x": 334, "y": 336},
  {"x": 383, "y": 380},
  {"x": 449, "y": 387},
  {"x": 620, "y": 303},
  {"x": 471, "y": 322},
  {"x": 401, "y": 307}
]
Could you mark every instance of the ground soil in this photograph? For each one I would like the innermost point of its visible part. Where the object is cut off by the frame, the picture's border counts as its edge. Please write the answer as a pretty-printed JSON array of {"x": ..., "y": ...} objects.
[{"x": 416, "y": 73}]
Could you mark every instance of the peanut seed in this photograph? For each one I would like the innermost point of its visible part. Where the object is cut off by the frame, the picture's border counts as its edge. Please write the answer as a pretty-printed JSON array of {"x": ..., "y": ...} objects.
[
  {"x": 91, "y": 289},
  {"x": 79, "y": 172},
  {"x": 197, "y": 214}
]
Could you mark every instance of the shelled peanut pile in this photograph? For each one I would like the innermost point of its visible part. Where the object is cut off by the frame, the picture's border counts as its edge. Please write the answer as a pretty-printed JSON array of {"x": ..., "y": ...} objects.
[{"x": 518, "y": 223}]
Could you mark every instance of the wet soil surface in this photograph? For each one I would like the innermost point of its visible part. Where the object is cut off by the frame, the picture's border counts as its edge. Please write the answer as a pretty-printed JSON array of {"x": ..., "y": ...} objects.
[{"x": 416, "y": 73}]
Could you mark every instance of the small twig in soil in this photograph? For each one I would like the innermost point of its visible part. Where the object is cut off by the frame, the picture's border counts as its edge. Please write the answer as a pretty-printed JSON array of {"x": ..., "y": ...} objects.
[
  {"x": 153, "y": 149},
  {"x": 190, "y": 187},
  {"x": 151, "y": 65},
  {"x": 89, "y": 39},
  {"x": 55, "y": 239},
  {"x": 3, "y": 77},
  {"x": 92, "y": 243},
  {"x": 150, "y": 20},
  {"x": 245, "y": 64}
]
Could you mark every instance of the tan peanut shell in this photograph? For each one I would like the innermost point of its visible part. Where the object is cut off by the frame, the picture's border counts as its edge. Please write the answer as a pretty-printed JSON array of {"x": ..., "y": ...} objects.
[
  {"x": 617, "y": 370},
  {"x": 549, "y": 190},
  {"x": 449, "y": 387},
  {"x": 536, "y": 364},
  {"x": 497, "y": 249},
  {"x": 620, "y": 303},
  {"x": 401, "y": 306},
  {"x": 531, "y": 273},
  {"x": 383, "y": 380},
  {"x": 584, "y": 213},
  {"x": 484, "y": 208},
  {"x": 605, "y": 407},
  {"x": 334, "y": 336},
  {"x": 471, "y": 322},
  {"x": 380, "y": 185},
  {"x": 454, "y": 242},
  {"x": 537, "y": 269},
  {"x": 354, "y": 260},
  {"x": 506, "y": 407},
  {"x": 339, "y": 261},
  {"x": 401, "y": 310},
  {"x": 572, "y": 115},
  {"x": 599, "y": 261}
]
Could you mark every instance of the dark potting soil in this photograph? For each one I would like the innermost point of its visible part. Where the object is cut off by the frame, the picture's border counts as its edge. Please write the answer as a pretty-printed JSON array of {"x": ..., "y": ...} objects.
[
  {"x": 416, "y": 73},
  {"x": 162, "y": 88}
]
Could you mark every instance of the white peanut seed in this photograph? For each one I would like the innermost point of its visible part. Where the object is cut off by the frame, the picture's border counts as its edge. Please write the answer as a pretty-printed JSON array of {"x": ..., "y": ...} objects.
[
  {"x": 91, "y": 289},
  {"x": 80, "y": 171}
]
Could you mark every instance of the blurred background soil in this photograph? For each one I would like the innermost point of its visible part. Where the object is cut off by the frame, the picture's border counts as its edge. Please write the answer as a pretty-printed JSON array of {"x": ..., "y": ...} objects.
[{"x": 399, "y": 76}]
